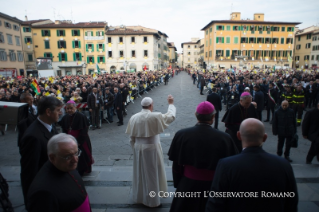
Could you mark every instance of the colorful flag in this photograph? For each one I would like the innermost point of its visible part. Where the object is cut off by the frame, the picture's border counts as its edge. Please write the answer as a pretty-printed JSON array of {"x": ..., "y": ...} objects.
[
  {"x": 98, "y": 68},
  {"x": 35, "y": 86}
]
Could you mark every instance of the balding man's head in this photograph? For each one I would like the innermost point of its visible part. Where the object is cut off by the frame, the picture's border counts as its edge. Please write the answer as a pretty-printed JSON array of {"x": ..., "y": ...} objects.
[{"x": 252, "y": 133}]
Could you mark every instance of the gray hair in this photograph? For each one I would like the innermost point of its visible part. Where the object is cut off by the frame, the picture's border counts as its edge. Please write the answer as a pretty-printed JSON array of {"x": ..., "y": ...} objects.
[{"x": 53, "y": 143}]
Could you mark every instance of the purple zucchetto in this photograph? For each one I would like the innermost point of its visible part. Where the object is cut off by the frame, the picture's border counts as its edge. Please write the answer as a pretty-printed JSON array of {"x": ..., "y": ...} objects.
[
  {"x": 245, "y": 94},
  {"x": 205, "y": 108},
  {"x": 71, "y": 102}
]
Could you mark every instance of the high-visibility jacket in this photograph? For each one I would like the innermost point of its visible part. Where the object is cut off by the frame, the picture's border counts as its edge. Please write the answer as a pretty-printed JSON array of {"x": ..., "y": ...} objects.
[
  {"x": 299, "y": 97},
  {"x": 288, "y": 96}
]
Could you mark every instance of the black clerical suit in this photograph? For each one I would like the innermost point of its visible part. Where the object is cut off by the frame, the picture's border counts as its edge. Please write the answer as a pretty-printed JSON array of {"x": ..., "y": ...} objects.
[
  {"x": 254, "y": 170},
  {"x": 198, "y": 149},
  {"x": 118, "y": 106},
  {"x": 25, "y": 123},
  {"x": 259, "y": 99},
  {"x": 33, "y": 150},
  {"x": 214, "y": 98},
  {"x": 310, "y": 128}
]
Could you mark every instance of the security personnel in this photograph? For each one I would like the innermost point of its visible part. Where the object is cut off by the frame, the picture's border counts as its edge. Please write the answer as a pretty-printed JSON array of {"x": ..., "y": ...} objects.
[
  {"x": 232, "y": 97},
  {"x": 298, "y": 98},
  {"x": 288, "y": 95}
]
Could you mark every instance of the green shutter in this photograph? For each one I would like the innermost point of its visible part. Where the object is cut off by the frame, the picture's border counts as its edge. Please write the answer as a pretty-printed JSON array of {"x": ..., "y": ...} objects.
[
  {"x": 63, "y": 32},
  {"x": 57, "y": 32},
  {"x": 72, "y": 32},
  {"x": 24, "y": 30},
  {"x": 227, "y": 53},
  {"x": 97, "y": 47},
  {"x": 73, "y": 44},
  {"x": 103, "y": 47},
  {"x": 92, "y": 47},
  {"x": 98, "y": 59},
  {"x": 60, "y": 58},
  {"x": 42, "y": 32},
  {"x": 292, "y": 29},
  {"x": 102, "y": 33},
  {"x": 103, "y": 59},
  {"x": 216, "y": 39},
  {"x": 87, "y": 59},
  {"x": 79, "y": 42},
  {"x": 79, "y": 33},
  {"x": 283, "y": 29},
  {"x": 223, "y": 27},
  {"x": 87, "y": 47},
  {"x": 222, "y": 39},
  {"x": 216, "y": 27},
  {"x": 264, "y": 27},
  {"x": 282, "y": 40},
  {"x": 49, "y": 33},
  {"x": 96, "y": 33},
  {"x": 59, "y": 46},
  {"x": 74, "y": 59},
  {"x": 80, "y": 55},
  {"x": 272, "y": 28},
  {"x": 92, "y": 35},
  {"x": 92, "y": 59},
  {"x": 86, "y": 33},
  {"x": 66, "y": 56},
  {"x": 263, "y": 40}
]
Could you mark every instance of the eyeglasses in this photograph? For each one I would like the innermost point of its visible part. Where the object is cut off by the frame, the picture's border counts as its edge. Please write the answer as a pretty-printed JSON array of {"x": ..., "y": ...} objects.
[{"x": 69, "y": 157}]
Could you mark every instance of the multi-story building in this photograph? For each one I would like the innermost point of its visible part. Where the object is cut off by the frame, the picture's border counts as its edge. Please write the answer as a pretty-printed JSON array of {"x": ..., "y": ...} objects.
[
  {"x": 180, "y": 60},
  {"x": 191, "y": 51},
  {"x": 163, "y": 53},
  {"x": 201, "y": 54},
  {"x": 172, "y": 54},
  {"x": 134, "y": 48},
  {"x": 305, "y": 41},
  {"x": 314, "y": 60},
  {"x": 247, "y": 44},
  {"x": 75, "y": 48},
  {"x": 27, "y": 42},
  {"x": 11, "y": 51}
]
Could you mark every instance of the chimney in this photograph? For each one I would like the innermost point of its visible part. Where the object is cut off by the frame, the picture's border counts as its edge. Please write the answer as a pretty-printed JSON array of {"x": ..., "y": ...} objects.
[
  {"x": 57, "y": 22},
  {"x": 26, "y": 18}
]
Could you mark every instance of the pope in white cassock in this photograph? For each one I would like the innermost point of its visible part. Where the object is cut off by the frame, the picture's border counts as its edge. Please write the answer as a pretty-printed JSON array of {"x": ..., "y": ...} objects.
[{"x": 148, "y": 165}]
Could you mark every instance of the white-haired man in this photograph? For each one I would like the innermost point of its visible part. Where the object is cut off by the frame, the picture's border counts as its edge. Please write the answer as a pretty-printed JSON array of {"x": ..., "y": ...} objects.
[
  {"x": 144, "y": 129},
  {"x": 58, "y": 186}
]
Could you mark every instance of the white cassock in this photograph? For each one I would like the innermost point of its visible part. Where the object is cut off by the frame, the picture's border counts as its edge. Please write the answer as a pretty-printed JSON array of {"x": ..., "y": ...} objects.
[{"x": 148, "y": 165}]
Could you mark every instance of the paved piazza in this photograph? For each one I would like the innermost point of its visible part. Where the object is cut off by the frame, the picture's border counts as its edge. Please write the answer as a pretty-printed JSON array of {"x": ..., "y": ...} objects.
[{"x": 109, "y": 185}]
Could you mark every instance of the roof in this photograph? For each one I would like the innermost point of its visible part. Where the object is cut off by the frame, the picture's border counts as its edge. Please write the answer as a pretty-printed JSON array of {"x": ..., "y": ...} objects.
[
  {"x": 248, "y": 22},
  {"x": 8, "y": 17},
  {"x": 307, "y": 30},
  {"x": 190, "y": 42},
  {"x": 128, "y": 31},
  {"x": 65, "y": 24},
  {"x": 315, "y": 32},
  {"x": 33, "y": 21}
]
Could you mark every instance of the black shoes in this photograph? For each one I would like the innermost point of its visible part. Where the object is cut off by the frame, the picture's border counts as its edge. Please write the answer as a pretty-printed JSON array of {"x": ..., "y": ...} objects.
[
  {"x": 120, "y": 124},
  {"x": 288, "y": 158}
]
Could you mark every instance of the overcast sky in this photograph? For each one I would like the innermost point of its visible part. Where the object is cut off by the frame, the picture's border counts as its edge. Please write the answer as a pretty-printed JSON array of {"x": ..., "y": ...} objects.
[{"x": 179, "y": 19}]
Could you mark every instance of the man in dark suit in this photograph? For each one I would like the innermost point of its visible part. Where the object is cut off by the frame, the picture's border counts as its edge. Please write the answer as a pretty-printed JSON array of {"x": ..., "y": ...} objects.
[
  {"x": 259, "y": 99},
  {"x": 255, "y": 177},
  {"x": 214, "y": 98},
  {"x": 118, "y": 105},
  {"x": 271, "y": 103},
  {"x": 202, "y": 84},
  {"x": 33, "y": 146},
  {"x": 94, "y": 104},
  {"x": 310, "y": 131}
]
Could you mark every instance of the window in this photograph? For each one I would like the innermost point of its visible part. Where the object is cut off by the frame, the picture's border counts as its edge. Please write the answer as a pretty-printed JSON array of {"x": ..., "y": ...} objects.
[
  {"x": 236, "y": 28},
  {"x": 110, "y": 54},
  {"x": 308, "y": 45},
  {"x": 61, "y": 44},
  {"x": 101, "y": 59},
  {"x": 317, "y": 57},
  {"x": 133, "y": 53},
  {"x": 308, "y": 36},
  {"x": 252, "y": 40},
  {"x": 145, "y": 53},
  {"x": 219, "y": 53},
  {"x": 9, "y": 37},
  {"x": 297, "y": 58},
  {"x": 306, "y": 57},
  {"x": 13, "y": 56},
  {"x": 109, "y": 40},
  {"x": 132, "y": 39},
  {"x": 145, "y": 39},
  {"x": 47, "y": 55},
  {"x": 227, "y": 39},
  {"x": 211, "y": 29},
  {"x": 244, "y": 28},
  {"x": 206, "y": 54},
  {"x": 45, "y": 33},
  {"x": 312, "y": 57},
  {"x": 99, "y": 33},
  {"x": 28, "y": 40},
  {"x": 89, "y": 47},
  {"x": 210, "y": 53},
  {"x": 20, "y": 56},
  {"x": 188, "y": 46},
  {"x": 235, "y": 40},
  {"x": 275, "y": 29},
  {"x": 3, "y": 55},
  {"x": 289, "y": 40},
  {"x": 26, "y": 29},
  {"x": 275, "y": 40},
  {"x": 16, "y": 27},
  {"x": 228, "y": 28},
  {"x": 7, "y": 25},
  {"x": 298, "y": 47},
  {"x": 1, "y": 38},
  {"x": 60, "y": 32},
  {"x": 46, "y": 44},
  {"x": 17, "y": 40},
  {"x": 260, "y": 40},
  {"x": 159, "y": 46},
  {"x": 219, "y": 39},
  {"x": 299, "y": 38},
  {"x": 121, "y": 39},
  {"x": 244, "y": 40},
  {"x": 290, "y": 29},
  {"x": 121, "y": 53},
  {"x": 206, "y": 32},
  {"x": 63, "y": 57},
  {"x": 75, "y": 32},
  {"x": 314, "y": 38},
  {"x": 283, "y": 29},
  {"x": 89, "y": 33},
  {"x": 219, "y": 27},
  {"x": 30, "y": 57}
]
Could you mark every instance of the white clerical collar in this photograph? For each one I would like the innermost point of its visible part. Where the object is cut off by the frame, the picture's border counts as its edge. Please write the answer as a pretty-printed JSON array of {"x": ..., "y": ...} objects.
[{"x": 49, "y": 127}]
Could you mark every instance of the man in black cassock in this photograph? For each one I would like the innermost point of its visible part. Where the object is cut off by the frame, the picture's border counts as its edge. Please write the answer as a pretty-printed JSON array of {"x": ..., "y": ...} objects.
[
  {"x": 58, "y": 186},
  {"x": 238, "y": 113},
  {"x": 195, "y": 152}
]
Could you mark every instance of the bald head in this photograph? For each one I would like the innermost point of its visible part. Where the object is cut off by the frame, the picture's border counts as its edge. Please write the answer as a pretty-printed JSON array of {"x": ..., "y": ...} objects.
[{"x": 252, "y": 133}]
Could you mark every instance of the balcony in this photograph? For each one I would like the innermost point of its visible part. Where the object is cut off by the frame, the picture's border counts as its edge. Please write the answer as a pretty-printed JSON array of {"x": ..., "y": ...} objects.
[{"x": 93, "y": 37}]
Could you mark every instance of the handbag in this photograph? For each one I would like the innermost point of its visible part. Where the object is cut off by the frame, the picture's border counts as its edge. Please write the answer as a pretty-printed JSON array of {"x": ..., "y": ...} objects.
[{"x": 294, "y": 141}]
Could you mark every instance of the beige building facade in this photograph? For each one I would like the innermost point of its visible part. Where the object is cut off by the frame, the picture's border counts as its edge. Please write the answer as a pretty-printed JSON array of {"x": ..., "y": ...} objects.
[
  {"x": 172, "y": 54},
  {"x": 191, "y": 53},
  {"x": 11, "y": 47}
]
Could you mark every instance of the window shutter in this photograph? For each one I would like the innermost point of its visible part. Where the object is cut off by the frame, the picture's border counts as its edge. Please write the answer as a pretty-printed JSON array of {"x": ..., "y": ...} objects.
[
  {"x": 25, "y": 40},
  {"x": 96, "y": 33},
  {"x": 292, "y": 40},
  {"x": 74, "y": 59},
  {"x": 73, "y": 44},
  {"x": 64, "y": 44},
  {"x": 86, "y": 33},
  {"x": 227, "y": 53},
  {"x": 87, "y": 59},
  {"x": 59, "y": 55},
  {"x": 103, "y": 59},
  {"x": 216, "y": 39},
  {"x": 222, "y": 39},
  {"x": 98, "y": 59},
  {"x": 59, "y": 46},
  {"x": 49, "y": 33},
  {"x": 292, "y": 29},
  {"x": 64, "y": 35},
  {"x": 44, "y": 55},
  {"x": 80, "y": 55},
  {"x": 233, "y": 28},
  {"x": 264, "y": 28},
  {"x": 282, "y": 40},
  {"x": 272, "y": 28},
  {"x": 92, "y": 47},
  {"x": 97, "y": 47},
  {"x": 87, "y": 47},
  {"x": 42, "y": 31},
  {"x": 102, "y": 33},
  {"x": 263, "y": 40},
  {"x": 66, "y": 56},
  {"x": 223, "y": 27},
  {"x": 92, "y": 57},
  {"x": 216, "y": 27},
  {"x": 72, "y": 32},
  {"x": 103, "y": 47},
  {"x": 57, "y": 32},
  {"x": 79, "y": 43},
  {"x": 79, "y": 33},
  {"x": 92, "y": 35}
]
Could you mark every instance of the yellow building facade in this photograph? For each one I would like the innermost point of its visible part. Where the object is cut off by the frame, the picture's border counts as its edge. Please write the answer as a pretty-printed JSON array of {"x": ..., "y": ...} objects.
[
  {"x": 75, "y": 48},
  {"x": 248, "y": 44}
]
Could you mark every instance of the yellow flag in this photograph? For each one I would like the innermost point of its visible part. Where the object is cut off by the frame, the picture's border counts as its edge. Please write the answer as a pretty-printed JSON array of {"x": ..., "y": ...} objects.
[
  {"x": 46, "y": 85},
  {"x": 47, "y": 94},
  {"x": 58, "y": 92}
]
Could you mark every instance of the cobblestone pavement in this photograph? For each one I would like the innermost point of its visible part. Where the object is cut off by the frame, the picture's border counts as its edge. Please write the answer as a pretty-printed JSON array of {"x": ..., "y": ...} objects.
[
  {"x": 109, "y": 184},
  {"x": 111, "y": 144}
]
